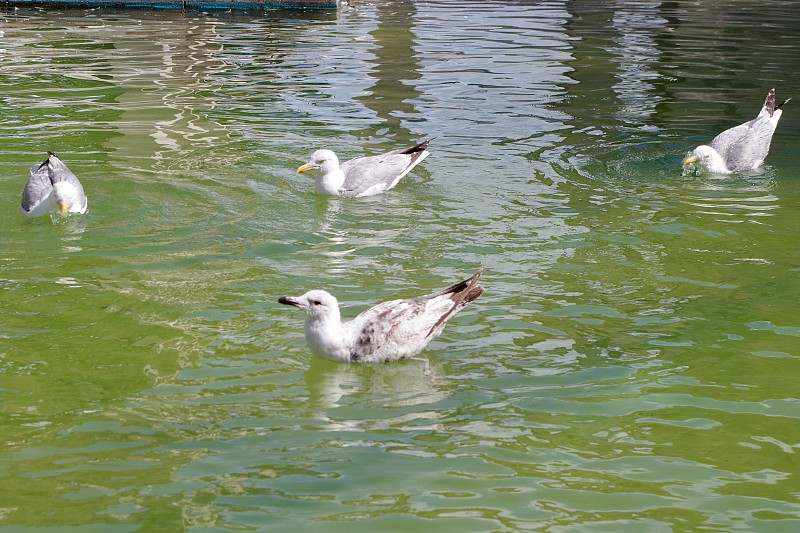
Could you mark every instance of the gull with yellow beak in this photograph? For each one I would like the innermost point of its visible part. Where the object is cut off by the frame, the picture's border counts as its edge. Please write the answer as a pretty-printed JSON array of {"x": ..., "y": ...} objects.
[
  {"x": 52, "y": 187},
  {"x": 743, "y": 147},
  {"x": 362, "y": 176}
]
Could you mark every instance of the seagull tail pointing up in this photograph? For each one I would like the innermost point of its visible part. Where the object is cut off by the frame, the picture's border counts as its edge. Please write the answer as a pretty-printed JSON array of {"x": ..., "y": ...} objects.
[
  {"x": 462, "y": 293},
  {"x": 769, "y": 104},
  {"x": 417, "y": 153},
  {"x": 46, "y": 162},
  {"x": 417, "y": 148}
]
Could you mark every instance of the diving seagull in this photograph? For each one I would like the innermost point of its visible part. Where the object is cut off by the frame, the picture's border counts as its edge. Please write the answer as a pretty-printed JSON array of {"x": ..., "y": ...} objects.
[
  {"x": 362, "y": 176},
  {"x": 743, "y": 147},
  {"x": 389, "y": 331},
  {"x": 52, "y": 187}
]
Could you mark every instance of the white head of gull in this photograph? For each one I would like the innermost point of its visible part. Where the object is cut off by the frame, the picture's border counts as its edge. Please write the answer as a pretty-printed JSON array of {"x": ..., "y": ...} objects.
[
  {"x": 743, "y": 147},
  {"x": 390, "y": 331},
  {"x": 362, "y": 176},
  {"x": 52, "y": 188}
]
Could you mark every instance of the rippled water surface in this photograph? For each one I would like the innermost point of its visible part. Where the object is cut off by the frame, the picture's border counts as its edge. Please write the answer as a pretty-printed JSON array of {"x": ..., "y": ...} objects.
[{"x": 632, "y": 366}]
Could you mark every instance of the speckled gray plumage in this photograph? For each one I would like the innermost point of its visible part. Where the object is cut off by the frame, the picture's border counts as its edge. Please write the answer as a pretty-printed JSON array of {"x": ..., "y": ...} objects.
[{"x": 389, "y": 331}]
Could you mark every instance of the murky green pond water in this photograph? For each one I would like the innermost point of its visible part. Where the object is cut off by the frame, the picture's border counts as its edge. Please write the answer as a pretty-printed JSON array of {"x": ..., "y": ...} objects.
[{"x": 633, "y": 365}]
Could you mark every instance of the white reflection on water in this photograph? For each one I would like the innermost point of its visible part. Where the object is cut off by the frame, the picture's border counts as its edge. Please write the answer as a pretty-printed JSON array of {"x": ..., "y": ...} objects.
[{"x": 413, "y": 382}]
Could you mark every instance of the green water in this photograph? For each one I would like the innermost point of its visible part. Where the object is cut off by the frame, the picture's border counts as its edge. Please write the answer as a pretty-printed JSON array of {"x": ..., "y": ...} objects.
[{"x": 632, "y": 366}]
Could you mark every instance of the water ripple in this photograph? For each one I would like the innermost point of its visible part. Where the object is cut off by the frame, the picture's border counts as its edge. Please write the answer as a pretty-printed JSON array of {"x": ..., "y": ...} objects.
[{"x": 625, "y": 370}]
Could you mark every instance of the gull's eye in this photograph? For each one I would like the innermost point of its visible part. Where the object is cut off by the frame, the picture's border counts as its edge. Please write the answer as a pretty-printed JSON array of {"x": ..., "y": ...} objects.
[{"x": 316, "y": 302}]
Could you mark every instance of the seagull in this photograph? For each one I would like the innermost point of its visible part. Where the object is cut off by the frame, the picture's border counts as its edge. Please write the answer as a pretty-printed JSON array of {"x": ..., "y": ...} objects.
[
  {"x": 52, "y": 187},
  {"x": 743, "y": 147},
  {"x": 390, "y": 331},
  {"x": 363, "y": 176}
]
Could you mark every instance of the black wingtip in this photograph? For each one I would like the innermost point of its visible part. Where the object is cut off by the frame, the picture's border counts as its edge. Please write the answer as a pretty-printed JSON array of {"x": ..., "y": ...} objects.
[
  {"x": 464, "y": 293},
  {"x": 47, "y": 161},
  {"x": 421, "y": 147}
]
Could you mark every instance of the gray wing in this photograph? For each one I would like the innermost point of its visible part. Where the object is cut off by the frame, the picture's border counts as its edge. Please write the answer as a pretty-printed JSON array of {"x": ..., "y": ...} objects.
[
  {"x": 741, "y": 147},
  {"x": 402, "y": 328},
  {"x": 363, "y": 173},
  {"x": 390, "y": 330},
  {"x": 37, "y": 191}
]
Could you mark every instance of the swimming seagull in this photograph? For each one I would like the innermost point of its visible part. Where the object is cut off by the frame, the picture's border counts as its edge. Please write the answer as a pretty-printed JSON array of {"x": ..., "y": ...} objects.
[
  {"x": 52, "y": 187},
  {"x": 743, "y": 147},
  {"x": 363, "y": 176},
  {"x": 389, "y": 331}
]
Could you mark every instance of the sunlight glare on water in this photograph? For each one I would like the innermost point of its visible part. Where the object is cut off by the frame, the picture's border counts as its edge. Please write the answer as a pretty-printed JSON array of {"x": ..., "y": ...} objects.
[{"x": 629, "y": 368}]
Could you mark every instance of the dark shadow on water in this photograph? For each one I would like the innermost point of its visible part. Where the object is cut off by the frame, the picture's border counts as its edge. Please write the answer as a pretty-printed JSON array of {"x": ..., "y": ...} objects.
[{"x": 396, "y": 66}]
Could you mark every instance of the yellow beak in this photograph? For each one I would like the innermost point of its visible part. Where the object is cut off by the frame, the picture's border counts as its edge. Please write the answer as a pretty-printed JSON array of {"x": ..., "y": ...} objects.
[
  {"x": 689, "y": 160},
  {"x": 303, "y": 168},
  {"x": 64, "y": 208}
]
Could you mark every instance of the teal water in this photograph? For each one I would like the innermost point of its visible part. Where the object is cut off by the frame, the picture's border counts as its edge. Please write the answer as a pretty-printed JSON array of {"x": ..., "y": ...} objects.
[{"x": 632, "y": 366}]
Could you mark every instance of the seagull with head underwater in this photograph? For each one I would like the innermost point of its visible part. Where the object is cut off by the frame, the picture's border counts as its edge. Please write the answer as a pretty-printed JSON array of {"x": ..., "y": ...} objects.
[
  {"x": 390, "y": 331},
  {"x": 52, "y": 187},
  {"x": 743, "y": 147},
  {"x": 362, "y": 176}
]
